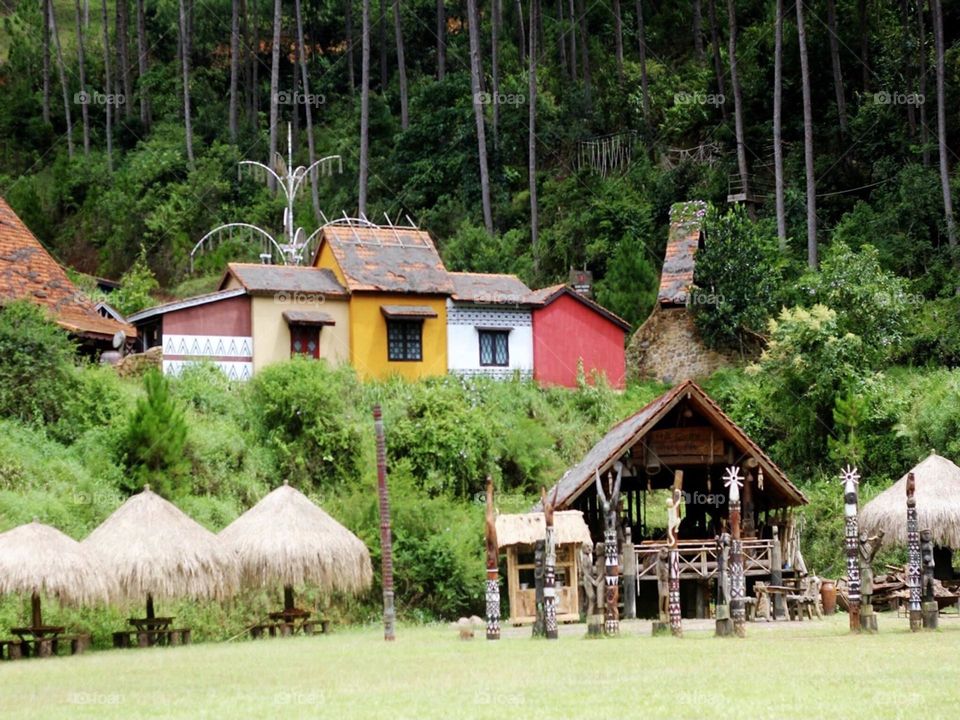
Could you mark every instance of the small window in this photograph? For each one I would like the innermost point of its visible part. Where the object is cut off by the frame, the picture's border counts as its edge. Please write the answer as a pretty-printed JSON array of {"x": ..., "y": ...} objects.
[
  {"x": 305, "y": 340},
  {"x": 404, "y": 340},
  {"x": 494, "y": 348}
]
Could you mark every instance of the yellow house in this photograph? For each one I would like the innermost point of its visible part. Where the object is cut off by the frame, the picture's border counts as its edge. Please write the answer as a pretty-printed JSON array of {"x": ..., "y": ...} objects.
[
  {"x": 398, "y": 288},
  {"x": 293, "y": 310}
]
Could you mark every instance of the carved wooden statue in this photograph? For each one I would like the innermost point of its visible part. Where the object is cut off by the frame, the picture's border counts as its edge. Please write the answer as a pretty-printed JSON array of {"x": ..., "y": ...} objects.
[
  {"x": 675, "y": 508},
  {"x": 913, "y": 556},
  {"x": 609, "y": 503},
  {"x": 539, "y": 571},
  {"x": 724, "y": 625},
  {"x": 850, "y": 479},
  {"x": 549, "y": 566},
  {"x": 493, "y": 561},
  {"x": 927, "y": 566},
  {"x": 663, "y": 585},
  {"x": 587, "y": 582},
  {"x": 869, "y": 547},
  {"x": 733, "y": 480}
]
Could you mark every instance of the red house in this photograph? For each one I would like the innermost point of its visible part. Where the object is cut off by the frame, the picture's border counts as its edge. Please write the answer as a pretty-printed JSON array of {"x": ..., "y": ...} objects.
[{"x": 569, "y": 329}]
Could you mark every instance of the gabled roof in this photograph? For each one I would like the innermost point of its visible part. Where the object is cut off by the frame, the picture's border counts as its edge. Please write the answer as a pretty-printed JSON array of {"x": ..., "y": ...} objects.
[
  {"x": 387, "y": 259},
  {"x": 258, "y": 279},
  {"x": 547, "y": 295},
  {"x": 28, "y": 271},
  {"x": 628, "y": 432},
  {"x": 489, "y": 288},
  {"x": 676, "y": 278},
  {"x": 187, "y": 303}
]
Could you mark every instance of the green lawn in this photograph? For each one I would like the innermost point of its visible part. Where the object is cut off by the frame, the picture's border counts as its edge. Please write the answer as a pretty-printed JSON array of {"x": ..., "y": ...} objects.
[{"x": 809, "y": 670}]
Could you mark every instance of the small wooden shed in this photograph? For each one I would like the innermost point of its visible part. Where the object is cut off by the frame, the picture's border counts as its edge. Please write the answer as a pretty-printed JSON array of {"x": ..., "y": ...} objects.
[{"x": 517, "y": 534}]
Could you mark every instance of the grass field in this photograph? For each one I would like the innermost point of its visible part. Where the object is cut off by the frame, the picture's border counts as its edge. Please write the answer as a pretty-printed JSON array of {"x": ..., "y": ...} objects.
[{"x": 804, "y": 670}]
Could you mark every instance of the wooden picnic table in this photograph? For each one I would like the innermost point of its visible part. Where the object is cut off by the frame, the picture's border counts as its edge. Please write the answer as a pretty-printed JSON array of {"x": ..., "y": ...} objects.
[
  {"x": 151, "y": 631},
  {"x": 289, "y": 622},
  {"x": 154, "y": 623},
  {"x": 43, "y": 641},
  {"x": 39, "y": 632}
]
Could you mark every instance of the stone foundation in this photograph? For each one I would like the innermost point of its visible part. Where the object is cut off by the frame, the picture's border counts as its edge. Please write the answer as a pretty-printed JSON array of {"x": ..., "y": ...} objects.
[{"x": 667, "y": 347}]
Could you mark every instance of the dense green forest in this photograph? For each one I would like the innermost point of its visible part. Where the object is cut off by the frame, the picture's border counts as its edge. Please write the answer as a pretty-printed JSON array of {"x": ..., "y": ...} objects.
[{"x": 556, "y": 135}]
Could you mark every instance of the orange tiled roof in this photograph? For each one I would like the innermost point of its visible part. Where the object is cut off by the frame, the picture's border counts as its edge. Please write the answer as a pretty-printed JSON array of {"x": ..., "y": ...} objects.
[
  {"x": 28, "y": 271},
  {"x": 676, "y": 278}
]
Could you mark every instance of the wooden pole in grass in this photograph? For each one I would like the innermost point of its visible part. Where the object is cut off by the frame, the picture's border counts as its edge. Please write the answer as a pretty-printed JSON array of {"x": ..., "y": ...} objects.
[
  {"x": 738, "y": 591},
  {"x": 913, "y": 556},
  {"x": 550, "y": 566},
  {"x": 493, "y": 573},
  {"x": 851, "y": 478},
  {"x": 610, "y": 551},
  {"x": 386, "y": 544}
]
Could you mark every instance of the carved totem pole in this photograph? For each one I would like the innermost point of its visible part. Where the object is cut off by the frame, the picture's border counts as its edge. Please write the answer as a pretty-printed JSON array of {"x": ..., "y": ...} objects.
[
  {"x": 539, "y": 627},
  {"x": 869, "y": 545},
  {"x": 738, "y": 587},
  {"x": 674, "y": 513},
  {"x": 550, "y": 566},
  {"x": 913, "y": 556},
  {"x": 724, "y": 625},
  {"x": 850, "y": 479},
  {"x": 493, "y": 571},
  {"x": 611, "y": 551},
  {"x": 931, "y": 611},
  {"x": 386, "y": 541}
]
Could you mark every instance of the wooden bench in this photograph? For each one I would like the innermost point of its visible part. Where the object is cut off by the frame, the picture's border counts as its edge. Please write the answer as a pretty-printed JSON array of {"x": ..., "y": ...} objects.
[
  {"x": 11, "y": 650},
  {"x": 78, "y": 643},
  {"x": 149, "y": 638},
  {"x": 285, "y": 629}
]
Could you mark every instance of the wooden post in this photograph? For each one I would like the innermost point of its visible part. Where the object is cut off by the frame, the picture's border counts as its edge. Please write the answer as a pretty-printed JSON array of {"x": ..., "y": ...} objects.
[
  {"x": 288, "y": 598},
  {"x": 36, "y": 615},
  {"x": 913, "y": 556},
  {"x": 724, "y": 623},
  {"x": 629, "y": 576},
  {"x": 386, "y": 543},
  {"x": 611, "y": 610},
  {"x": 851, "y": 478},
  {"x": 674, "y": 511},
  {"x": 776, "y": 575},
  {"x": 540, "y": 622},
  {"x": 931, "y": 611},
  {"x": 738, "y": 590},
  {"x": 493, "y": 560},
  {"x": 549, "y": 567},
  {"x": 150, "y": 612},
  {"x": 747, "y": 524}
]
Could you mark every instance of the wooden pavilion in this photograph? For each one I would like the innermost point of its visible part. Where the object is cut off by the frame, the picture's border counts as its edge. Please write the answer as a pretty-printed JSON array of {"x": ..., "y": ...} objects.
[{"x": 683, "y": 436}]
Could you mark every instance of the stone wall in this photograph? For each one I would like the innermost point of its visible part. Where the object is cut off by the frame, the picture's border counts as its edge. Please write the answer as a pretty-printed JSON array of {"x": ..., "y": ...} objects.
[{"x": 668, "y": 347}]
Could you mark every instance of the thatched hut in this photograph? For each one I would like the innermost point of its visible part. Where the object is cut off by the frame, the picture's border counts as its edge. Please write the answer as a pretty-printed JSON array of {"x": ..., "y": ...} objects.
[
  {"x": 937, "y": 493},
  {"x": 287, "y": 540},
  {"x": 518, "y": 534},
  {"x": 38, "y": 560},
  {"x": 151, "y": 549}
]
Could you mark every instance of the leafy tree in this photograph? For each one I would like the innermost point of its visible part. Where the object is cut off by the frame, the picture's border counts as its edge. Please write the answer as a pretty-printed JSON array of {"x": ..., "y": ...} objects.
[
  {"x": 36, "y": 363},
  {"x": 136, "y": 287},
  {"x": 153, "y": 444},
  {"x": 738, "y": 277}
]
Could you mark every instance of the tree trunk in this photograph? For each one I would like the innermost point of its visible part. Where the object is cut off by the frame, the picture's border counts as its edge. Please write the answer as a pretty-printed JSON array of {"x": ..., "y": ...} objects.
[
  {"x": 473, "y": 24},
  {"x": 865, "y": 42},
  {"x": 561, "y": 41},
  {"x": 570, "y": 30},
  {"x": 907, "y": 63},
  {"x": 275, "y": 87},
  {"x": 936, "y": 13},
  {"x": 777, "y": 124},
  {"x": 698, "y": 31},
  {"x": 234, "y": 66},
  {"x": 45, "y": 40},
  {"x": 495, "y": 68},
  {"x": 255, "y": 70},
  {"x": 835, "y": 63},
  {"x": 924, "y": 132},
  {"x": 85, "y": 97},
  {"x": 308, "y": 109},
  {"x": 401, "y": 66},
  {"x": 618, "y": 38},
  {"x": 715, "y": 44},
  {"x": 521, "y": 33},
  {"x": 644, "y": 80},
  {"x": 364, "y": 110},
  {"x": 123, "y": 53},
  {"x": 442, "y": 39},
  {"x": 532, "y": 137},
  {"x": 142, "y": 65},
  {"x": 382, "y": 30},
  {"x": 738, "y": 103},
  {"x": 185, "y": 67},
  {"x": 808, "y": 141},
  {"x": 107, "y": 82},
  {"x": 61, "y": 70},
  {"x": 584, "y": 50},
  {"x": 351, "y": 79}
]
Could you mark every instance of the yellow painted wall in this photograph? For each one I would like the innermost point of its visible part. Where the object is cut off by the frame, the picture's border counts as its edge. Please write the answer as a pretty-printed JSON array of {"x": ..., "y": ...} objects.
[
  {"x": 271, "y": 335},
  {"x": 368, "y": 336},
  {"x": 326, "y": 260}
]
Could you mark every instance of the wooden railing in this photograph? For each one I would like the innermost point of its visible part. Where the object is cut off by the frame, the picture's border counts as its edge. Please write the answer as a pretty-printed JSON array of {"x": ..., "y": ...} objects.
[{"x": 698, "y": 558}]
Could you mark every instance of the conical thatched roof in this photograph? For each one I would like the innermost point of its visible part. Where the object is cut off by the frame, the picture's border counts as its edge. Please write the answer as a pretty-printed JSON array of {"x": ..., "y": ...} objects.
[
  {"x": 38, "y": 558},
  {"x": 938, "y": 505},
  {"x": 526, "y": 529},
  {"x": 287, "y": 540},
  {"x": 150, "y": 547}
]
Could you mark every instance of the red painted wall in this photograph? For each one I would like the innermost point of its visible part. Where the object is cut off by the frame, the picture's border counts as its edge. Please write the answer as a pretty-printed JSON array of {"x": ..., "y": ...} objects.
[
  {"x": 565, "y": 331},
  {"x": 223, "y": 317}
]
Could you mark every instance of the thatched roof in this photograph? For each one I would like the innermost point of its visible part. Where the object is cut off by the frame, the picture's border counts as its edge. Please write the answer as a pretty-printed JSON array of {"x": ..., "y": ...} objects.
[
  {"x": 38, "y": 558},
  {"x": 526, "y": 529},
  {"x": 287, "y": 540},
  {"x": 149, "y": 546},
  {"x": 938, "y": 505}
]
